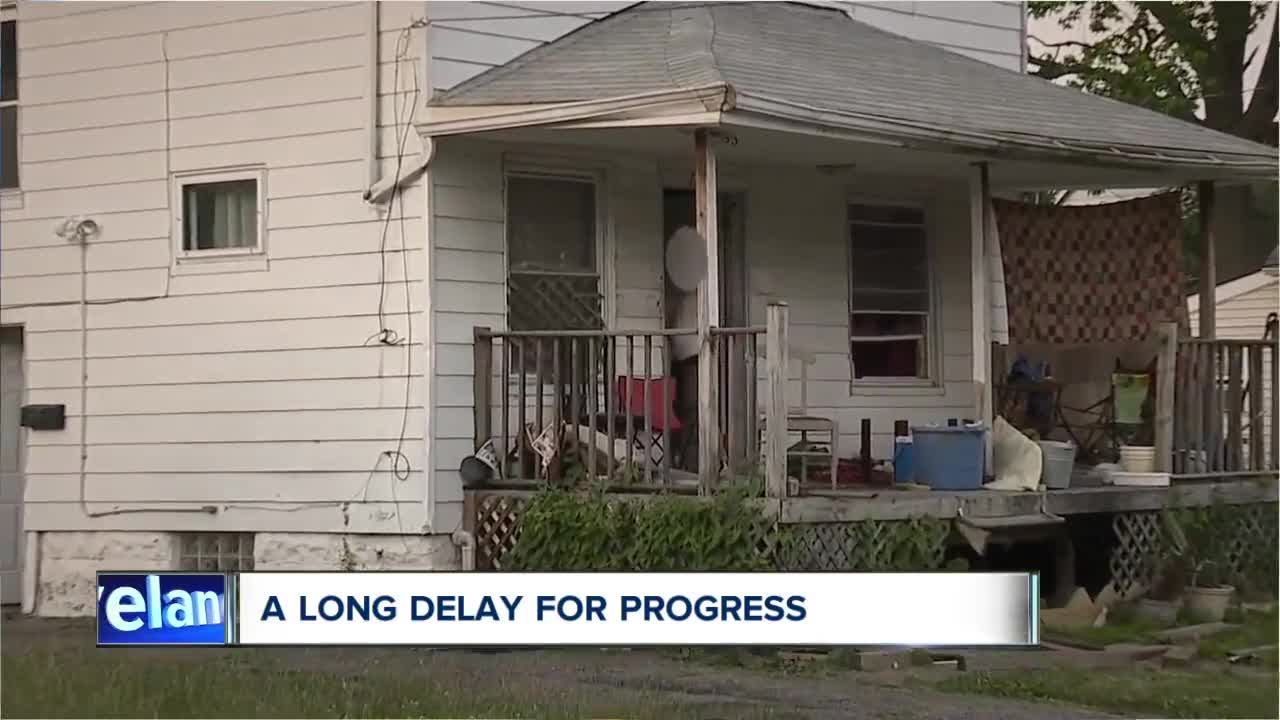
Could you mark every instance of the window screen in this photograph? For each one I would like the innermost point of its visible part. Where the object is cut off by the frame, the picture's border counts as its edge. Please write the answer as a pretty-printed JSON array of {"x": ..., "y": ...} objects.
[{"x": 889, "y": 292}]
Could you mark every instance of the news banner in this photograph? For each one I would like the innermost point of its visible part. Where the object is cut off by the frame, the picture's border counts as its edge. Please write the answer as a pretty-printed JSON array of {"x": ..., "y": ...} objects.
[{"x": 447, "y": 609}]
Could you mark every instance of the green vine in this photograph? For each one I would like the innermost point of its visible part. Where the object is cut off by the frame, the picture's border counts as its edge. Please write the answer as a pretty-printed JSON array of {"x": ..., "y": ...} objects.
[{"x": 563, "y": 530}]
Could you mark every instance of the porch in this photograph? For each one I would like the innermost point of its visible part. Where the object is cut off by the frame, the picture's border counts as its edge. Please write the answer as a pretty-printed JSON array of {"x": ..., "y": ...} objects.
[{"x": 595, "y": 409}]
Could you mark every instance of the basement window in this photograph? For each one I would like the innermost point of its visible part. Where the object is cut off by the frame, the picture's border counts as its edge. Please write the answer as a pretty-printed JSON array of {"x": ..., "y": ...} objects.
[{"x": 215, "y": 552}]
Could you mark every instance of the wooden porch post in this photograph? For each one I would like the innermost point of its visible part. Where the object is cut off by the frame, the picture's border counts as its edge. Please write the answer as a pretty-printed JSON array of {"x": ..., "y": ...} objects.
[
  {"x": 1208, "y": 264},
  {"x": 1166, "y": 369},
  {"x": 482, "y": 385},
  {"x": 706, "y": 204},
  {"x": 775, "y": 422},
  {"x": 708, "y": 314},
  {"x": 979, "y": 198}
]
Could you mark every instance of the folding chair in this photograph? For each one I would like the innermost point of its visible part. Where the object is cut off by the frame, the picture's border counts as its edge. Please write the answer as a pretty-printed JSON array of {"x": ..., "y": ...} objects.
[{"x": 630, "y": 394}]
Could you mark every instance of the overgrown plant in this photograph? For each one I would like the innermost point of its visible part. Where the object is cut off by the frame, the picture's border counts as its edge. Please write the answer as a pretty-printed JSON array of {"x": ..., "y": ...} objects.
[
  {"x": 1198, "y": 541},
  {"x": 563, "y": 530}
]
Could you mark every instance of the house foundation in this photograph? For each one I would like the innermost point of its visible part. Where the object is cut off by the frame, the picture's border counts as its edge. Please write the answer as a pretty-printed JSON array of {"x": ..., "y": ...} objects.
[{"x": 65, "y": 574}]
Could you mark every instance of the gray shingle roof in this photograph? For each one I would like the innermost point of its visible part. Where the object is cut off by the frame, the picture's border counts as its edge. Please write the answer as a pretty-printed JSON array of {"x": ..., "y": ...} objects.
[{"x": 822, "y": 59}]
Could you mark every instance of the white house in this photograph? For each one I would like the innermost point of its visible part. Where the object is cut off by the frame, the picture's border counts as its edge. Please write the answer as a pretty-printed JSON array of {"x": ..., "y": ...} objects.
[
  {"x": 1244, "y": 304},
  {"x": 265, "y": 355}
]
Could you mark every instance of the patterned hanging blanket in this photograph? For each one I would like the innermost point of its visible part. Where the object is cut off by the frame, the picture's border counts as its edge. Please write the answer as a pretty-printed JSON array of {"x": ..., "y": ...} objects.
[{"x": 1094, "y": 273}]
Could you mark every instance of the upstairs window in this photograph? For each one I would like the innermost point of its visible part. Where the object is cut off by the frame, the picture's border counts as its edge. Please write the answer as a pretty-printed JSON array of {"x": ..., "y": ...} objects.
[
  {"x": 890, "y": 300},
  {"x": 8, "y": 101},
  {"x": 219, "y": 213}
]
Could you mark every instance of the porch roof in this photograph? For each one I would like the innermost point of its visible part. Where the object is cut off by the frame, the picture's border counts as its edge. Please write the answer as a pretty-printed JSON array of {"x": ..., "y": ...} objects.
[{"x": 796, "y": 62}]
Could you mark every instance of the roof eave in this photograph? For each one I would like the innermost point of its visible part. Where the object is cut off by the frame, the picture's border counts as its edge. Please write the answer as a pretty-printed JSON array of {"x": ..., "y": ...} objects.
[
  {"x": 700, "y": 105},
  {"x": 750, "y": 108}
]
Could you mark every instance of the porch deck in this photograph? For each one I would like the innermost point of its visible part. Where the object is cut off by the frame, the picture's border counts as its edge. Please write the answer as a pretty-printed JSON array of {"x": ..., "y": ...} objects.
[{"x": 1087, "y": 498}]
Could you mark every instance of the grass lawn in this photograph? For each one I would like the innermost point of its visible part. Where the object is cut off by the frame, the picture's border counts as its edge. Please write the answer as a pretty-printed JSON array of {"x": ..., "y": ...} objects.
[
  {"x": 1214, "y": 690},
  {"x": 1129, "y": 631},
  {"x": 1256, "y": 630},
  {"x": 1139, "y": 691},
  {"x": 108, "y": 684}
]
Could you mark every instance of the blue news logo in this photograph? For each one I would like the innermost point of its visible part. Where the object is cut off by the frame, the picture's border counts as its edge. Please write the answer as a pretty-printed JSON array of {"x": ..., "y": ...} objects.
[{"x": 175, "y": 609}]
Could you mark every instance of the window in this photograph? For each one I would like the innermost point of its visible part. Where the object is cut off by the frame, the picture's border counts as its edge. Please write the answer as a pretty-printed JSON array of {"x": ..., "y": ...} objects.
[
  {"x": 8, "y": 101},
  {"x": 205, "y": 551},
  {"x": 219, "y": 214},
  {"x": 890, "y": 297},
  {"x": 553, "y": 278}
]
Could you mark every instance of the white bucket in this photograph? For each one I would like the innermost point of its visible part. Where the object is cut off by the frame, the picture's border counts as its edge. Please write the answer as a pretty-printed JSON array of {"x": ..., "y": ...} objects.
[
  {"x": 1059, "y": 461},
  {"x": 1138, "y": 458}
]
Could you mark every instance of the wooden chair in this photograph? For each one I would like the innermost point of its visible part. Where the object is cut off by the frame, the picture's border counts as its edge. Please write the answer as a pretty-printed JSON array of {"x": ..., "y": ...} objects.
[{"x": 819, "y": 437}]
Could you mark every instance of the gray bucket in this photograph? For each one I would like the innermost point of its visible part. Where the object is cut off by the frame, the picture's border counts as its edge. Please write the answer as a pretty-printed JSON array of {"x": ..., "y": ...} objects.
[{"x": 1059, "y": 460}]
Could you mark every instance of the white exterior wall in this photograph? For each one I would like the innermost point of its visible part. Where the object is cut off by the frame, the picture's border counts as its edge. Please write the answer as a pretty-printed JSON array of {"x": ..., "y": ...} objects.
[
  {"x": 797, "y": 245},
  {"x": 467, "y": 38},
  {"x": 252, "y": 392},
  {"x": 1241, "y": 315}
]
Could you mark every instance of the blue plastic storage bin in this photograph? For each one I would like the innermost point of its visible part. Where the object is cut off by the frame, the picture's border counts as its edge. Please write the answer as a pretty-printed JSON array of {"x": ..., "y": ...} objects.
[
  {"x": 949, "y": 458},
  {"x": 904, "y": 465}
]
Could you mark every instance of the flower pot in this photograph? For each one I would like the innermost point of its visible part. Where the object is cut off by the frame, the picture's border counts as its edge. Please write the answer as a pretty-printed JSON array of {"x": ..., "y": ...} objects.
[
  {"x": 1159, "y": 612},
  {"x": 1208, "y": 604}
]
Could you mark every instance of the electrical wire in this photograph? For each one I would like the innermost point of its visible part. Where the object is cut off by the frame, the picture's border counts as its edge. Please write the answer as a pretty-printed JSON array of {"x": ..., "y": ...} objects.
[
  {"x": 401, "y": 467},
  {"x": 85, "y": 302}
]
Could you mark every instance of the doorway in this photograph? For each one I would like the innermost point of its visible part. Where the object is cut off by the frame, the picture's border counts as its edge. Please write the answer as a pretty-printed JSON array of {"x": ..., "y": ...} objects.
[
  {"x": 679, "y": 209},
  {"x": 11, "y": 452}
]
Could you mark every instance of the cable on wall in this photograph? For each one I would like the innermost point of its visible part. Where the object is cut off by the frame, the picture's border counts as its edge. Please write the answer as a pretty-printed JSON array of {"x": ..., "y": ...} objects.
[
  {"x": 404, "y": 111},
  {"x": 81, "y": 232}
]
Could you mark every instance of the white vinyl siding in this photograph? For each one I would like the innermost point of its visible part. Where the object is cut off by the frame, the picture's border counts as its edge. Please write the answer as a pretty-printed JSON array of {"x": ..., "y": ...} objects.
[{"x": 251, "y": 391}]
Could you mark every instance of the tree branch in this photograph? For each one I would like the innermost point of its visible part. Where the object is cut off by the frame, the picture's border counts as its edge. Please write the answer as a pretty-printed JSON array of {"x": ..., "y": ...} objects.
[
  {"x": 1259, "y": 120},
  {"x": 1064, "y": 43}
]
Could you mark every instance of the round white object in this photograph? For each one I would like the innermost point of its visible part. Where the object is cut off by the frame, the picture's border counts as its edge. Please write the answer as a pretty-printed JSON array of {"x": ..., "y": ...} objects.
[{"x": 686, "y": 259}]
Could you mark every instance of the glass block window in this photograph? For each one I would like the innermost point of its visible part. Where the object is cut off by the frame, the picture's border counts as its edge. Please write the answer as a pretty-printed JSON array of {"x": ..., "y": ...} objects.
[{"x": 216, "y": 552}]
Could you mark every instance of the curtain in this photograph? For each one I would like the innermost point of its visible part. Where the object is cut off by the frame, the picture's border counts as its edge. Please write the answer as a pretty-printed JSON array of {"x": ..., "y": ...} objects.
[
  {"x": 222, "y": 215},
  {"x": 999, "y": 321}
]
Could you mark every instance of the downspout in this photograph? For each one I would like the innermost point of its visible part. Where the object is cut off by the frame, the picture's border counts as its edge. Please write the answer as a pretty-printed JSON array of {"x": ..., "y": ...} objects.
[
  {"x": 372, "y": 86},
  {"x": 429, "y": 342},
  {"x": 467, "y": 543}
]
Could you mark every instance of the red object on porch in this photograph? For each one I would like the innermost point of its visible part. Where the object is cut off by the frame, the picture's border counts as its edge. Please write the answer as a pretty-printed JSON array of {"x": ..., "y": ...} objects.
[
  {"x": 849, "y": 474},
  {"x": 631, "y": 395}
]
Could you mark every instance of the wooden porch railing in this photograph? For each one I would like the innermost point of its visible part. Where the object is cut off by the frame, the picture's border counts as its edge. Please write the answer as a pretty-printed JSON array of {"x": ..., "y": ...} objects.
[
  {"x": 566, "y": 406},
  {"x": 1224, "y": 408}
]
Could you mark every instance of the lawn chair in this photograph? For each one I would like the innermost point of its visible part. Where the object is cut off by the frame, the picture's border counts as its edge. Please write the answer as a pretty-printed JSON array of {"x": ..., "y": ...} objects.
[
  {"x": 631, "y": 417},
  {"x": 1123, "y": 417}
]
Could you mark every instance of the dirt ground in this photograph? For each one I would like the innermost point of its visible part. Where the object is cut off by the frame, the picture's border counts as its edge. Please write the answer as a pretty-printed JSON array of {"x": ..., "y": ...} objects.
[{"x": 617, "y": 674}]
